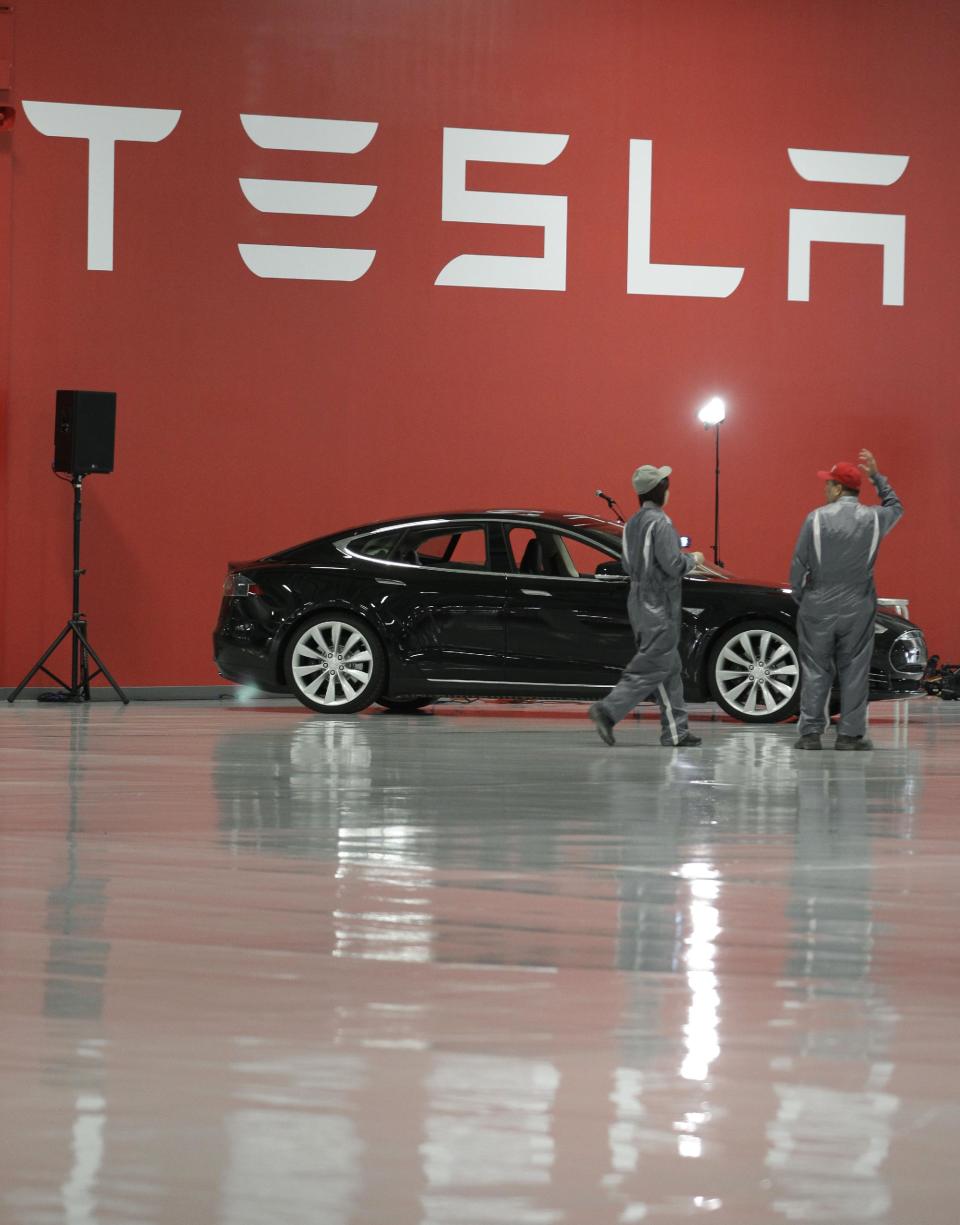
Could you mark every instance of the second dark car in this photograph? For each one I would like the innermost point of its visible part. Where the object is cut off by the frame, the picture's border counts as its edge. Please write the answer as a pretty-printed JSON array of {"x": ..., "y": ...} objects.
[{"x": 509, "y": 604}]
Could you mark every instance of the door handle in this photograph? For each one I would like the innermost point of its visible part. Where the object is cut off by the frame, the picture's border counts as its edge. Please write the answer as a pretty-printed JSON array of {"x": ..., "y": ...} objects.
[
  {"x": 391, "y": 582},
  {"x": 534, "y": 591}
]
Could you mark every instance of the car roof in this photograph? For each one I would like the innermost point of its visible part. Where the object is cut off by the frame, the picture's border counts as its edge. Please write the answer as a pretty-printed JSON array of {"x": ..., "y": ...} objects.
[
  {"x": 555, "y": 518},
  {"x": 559, "y": 519}
]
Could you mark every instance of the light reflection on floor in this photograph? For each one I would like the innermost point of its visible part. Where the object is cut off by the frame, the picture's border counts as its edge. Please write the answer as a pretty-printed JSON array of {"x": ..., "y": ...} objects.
[{"x": 260, "y": 966}]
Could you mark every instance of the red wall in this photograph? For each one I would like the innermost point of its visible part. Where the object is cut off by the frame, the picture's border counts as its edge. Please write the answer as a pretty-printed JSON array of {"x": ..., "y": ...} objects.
[{"x": 254, "y": 413}]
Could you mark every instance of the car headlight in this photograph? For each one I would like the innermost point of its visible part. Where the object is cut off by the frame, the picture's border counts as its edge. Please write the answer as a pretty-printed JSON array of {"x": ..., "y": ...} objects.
[{"x": 908, "y": 652}]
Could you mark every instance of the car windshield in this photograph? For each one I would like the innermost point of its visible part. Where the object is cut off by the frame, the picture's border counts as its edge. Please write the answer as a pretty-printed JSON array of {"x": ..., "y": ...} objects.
[{"x": 608, "y": 534}]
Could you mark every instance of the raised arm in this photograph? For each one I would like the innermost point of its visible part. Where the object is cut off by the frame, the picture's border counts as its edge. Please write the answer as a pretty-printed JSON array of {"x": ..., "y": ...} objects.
[{"x": 891, "y": 508}]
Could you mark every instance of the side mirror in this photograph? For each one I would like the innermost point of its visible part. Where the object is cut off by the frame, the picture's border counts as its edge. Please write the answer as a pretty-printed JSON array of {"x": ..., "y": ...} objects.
[{"x": 609, "y": 569}]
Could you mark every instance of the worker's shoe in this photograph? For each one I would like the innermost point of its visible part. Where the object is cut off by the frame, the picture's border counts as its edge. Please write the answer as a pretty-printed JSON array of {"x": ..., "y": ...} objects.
[
  {"x": 810, "y": 741},
  {"x": 602, "y": 722},
  {"x": 686, "y": 741},
  {"x": 853, "y": 744}
]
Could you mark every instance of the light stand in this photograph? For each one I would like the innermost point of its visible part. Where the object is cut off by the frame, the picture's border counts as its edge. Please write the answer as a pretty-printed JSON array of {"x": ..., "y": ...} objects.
[
  {"x": 714, "y": 413},
  {"x": 81, "y": 652},
  {"x": 716, "y": 502}
]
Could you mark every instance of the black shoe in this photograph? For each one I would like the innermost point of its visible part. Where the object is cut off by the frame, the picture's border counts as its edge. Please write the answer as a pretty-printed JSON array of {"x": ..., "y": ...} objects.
[
  {"x": 810, "y": 741},
  {"x": 853, "y": 744},
  {"x": 687, "y": 741},
  {"x": 602, "y": 722}
]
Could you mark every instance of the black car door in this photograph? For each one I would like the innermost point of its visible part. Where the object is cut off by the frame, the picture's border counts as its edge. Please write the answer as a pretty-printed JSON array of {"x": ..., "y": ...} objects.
[
  {"x": 566, "y": 624},
  {"x": 442, "y": 603}
]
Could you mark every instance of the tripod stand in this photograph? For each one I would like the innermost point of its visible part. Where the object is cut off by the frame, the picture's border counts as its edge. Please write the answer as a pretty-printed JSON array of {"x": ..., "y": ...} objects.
[{"x": 81, "y": 652}]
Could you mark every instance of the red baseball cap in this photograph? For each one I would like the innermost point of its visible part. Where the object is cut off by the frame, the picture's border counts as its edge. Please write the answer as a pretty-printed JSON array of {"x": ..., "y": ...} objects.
[{"x": 847, "y": 475}]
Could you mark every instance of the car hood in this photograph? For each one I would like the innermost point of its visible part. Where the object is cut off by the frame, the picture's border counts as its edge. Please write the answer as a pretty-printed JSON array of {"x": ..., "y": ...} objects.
[{"x": 736, "y": 580}]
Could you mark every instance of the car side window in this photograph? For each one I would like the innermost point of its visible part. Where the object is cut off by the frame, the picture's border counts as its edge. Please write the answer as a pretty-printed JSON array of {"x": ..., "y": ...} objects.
[
  {"x": 585, "y": 558},
  {"x": 547, "y": 553},
  {"x": 460, "y": 548},
  {"x": 523, "y": 549},
  {"x": 378, "y": 546}
]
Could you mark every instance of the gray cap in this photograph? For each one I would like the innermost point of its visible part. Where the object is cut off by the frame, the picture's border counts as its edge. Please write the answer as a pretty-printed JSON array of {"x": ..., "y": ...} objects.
[{"x": 648, "y": 477}]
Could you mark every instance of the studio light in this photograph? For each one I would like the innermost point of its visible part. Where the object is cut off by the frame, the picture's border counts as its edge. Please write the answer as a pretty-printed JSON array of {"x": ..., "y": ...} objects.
[{"x": 713, "y": 412}]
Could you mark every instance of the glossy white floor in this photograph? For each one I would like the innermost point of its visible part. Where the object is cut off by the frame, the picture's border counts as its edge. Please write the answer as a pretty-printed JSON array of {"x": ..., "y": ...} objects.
[{"x": 266, "y": 968}]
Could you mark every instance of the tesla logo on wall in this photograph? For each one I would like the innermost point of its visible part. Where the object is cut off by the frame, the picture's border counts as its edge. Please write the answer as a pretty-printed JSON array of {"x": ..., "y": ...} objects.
[{"x": 103, "y": 126}]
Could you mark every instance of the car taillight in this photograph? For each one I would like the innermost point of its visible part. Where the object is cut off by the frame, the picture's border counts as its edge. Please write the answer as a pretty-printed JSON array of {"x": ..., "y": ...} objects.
[{"x": 237, "y": 585}]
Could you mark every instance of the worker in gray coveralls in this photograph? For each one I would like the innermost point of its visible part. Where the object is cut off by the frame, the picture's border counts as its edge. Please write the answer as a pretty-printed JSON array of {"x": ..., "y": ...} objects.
[
  {"x": 655, "y": 564},
  {"x": 832, "y": 581}
]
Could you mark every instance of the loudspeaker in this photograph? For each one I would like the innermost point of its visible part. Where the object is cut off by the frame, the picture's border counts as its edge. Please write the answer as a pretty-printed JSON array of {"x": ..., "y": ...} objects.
[{"x": 84, "y": 431}]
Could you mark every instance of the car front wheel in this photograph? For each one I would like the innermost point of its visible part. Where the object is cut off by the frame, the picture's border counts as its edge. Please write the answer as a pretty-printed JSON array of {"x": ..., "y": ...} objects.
[
  {"x": 334, "y": 663},
  {"x": 754, "y": 672}
]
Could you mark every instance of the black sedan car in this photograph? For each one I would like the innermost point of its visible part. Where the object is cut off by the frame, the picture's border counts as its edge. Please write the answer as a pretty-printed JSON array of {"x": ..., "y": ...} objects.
[{"x": 507, "y": 603}]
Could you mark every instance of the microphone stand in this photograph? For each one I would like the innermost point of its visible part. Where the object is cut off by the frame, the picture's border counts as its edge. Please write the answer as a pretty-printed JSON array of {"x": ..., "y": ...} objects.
[{"x": 605, "y": 497}]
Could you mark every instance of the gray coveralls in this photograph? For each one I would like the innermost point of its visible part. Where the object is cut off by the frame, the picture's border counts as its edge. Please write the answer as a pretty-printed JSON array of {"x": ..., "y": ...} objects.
[
  {"x": 832, "y": 580},
  {"x": 655, "y": 564}
]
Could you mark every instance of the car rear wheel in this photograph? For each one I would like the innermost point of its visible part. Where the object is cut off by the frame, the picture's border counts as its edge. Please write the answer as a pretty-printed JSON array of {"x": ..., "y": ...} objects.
[
  {"x": 334, "y": 663},
  {"x": 405, "y": 705},
  {"x": 754, "y": 672}
]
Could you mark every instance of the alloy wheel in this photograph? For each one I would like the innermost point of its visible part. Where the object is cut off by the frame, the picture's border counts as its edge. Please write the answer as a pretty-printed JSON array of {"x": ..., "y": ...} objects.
[
  {"x": 756, "y": 674},
  {"x": 332, "y": 664}
]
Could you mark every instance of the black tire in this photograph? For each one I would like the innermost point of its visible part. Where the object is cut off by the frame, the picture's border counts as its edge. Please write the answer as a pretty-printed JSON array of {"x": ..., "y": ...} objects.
[
  {"x": 405, "y": 705},
  {"x": 754, "y": 672},
  {"x": 334, "y": 663}
]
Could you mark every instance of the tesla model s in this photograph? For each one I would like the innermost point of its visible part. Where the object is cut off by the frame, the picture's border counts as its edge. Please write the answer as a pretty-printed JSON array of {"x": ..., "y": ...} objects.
[{"x": 510, "y": 603}]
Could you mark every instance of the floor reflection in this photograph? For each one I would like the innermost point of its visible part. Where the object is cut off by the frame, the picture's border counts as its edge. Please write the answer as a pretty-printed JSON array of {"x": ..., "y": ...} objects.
[
  {"x": 835, "y": 1120},
  {"x": 76, "y": 964},
  {"x": 449, "y": 971},
  {"x": 679, "y": 834}
]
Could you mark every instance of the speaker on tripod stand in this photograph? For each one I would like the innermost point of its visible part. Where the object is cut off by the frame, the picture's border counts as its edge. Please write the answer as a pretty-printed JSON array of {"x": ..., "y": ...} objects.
[{"x": 83, "y": 444}]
